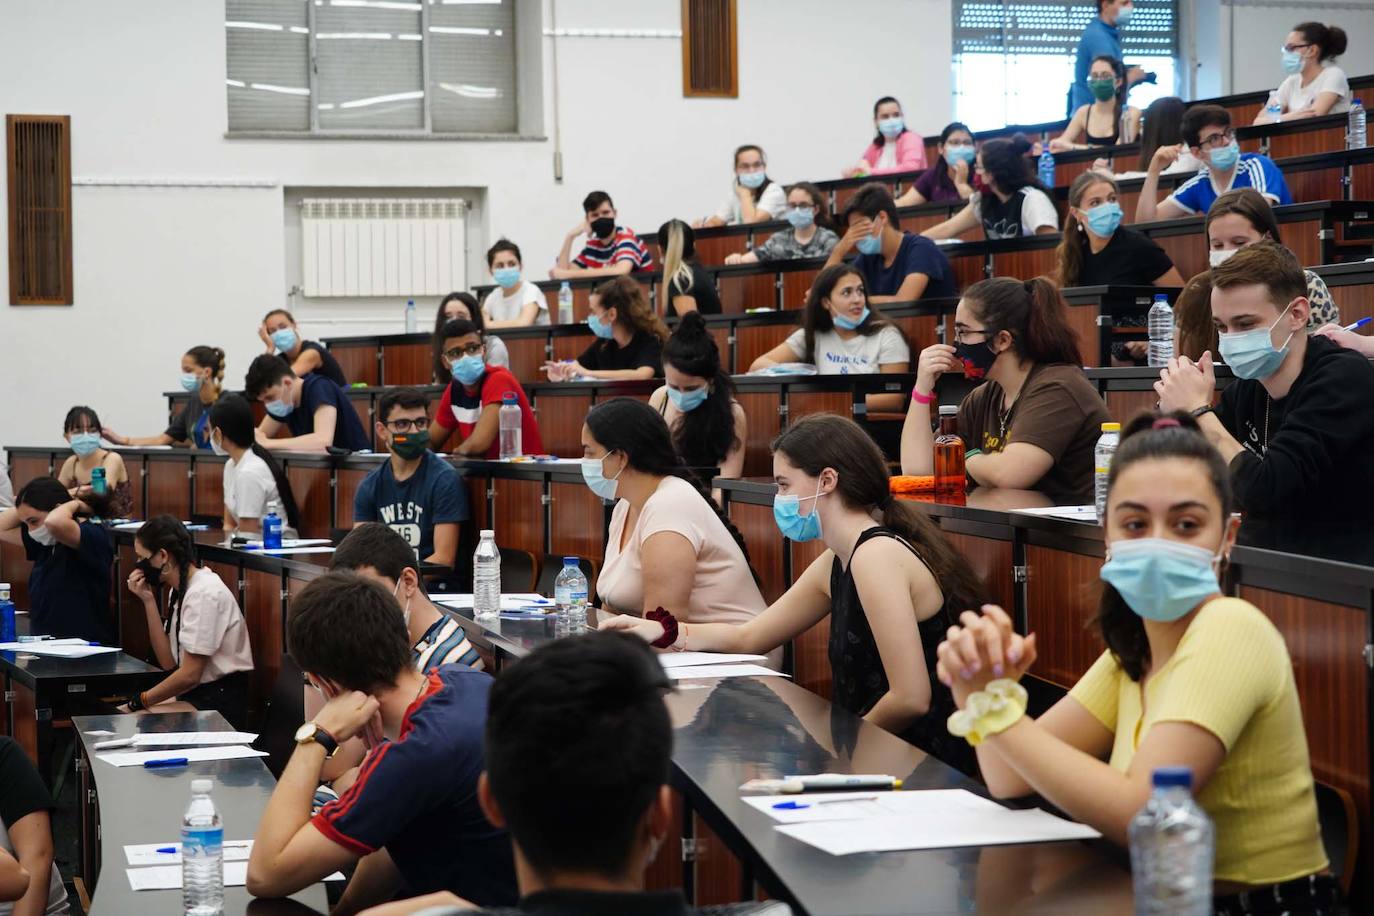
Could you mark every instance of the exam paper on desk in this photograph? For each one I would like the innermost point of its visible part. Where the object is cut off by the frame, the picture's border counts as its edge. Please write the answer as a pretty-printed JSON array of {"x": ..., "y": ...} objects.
[
  {"x": 861, "y": 805},
  {"x": 148, "y": 854},
  {"x": 693, "y": 659},
  {"x": 192, "y": 755},
  {"x": 964, "y": 826},
  {"x": 168, "y": 877},
  {"x": 722, "y": 671}
]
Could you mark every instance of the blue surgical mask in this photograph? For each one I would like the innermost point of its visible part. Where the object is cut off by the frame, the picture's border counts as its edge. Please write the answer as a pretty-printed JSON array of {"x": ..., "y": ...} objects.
[
  {"x": 870, "y": 244},
  {"x": 1104, "y": 219},
  {"x": 891, "y": 127},
  {"x": 1124, "y": 16},
  {"x": 280, "y": 409},
  {"x": 1292, "y": 61},
  {"x": 1161, "y": 579},
  {"x": 284, "y": 339},
  {"x": 1225, "y": 157},
  {"x": 469, "y": 369},
  {"x": 594, "y": 475},
  {"x": 602, "y": 329},
  {"x": 793, "y": 525},
  {"x": 190, "y": 381},
  {"x": 688, "y": 401},
  {"x": 506, "y": 277},
  {"x": 752, "y": 180},
  {"x": 1252, "y": 354},
  {"x": 85, "y": 443},
  {"x": 800, "y": 217},
  {"x": 956, "y": 154},
  {"x": 849, "y": 324}
]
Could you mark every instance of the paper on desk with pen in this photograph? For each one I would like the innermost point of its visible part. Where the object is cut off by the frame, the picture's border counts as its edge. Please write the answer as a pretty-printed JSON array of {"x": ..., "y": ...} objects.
[
  {"x": 192, "y": 755},
  {"x": 861, "y": 805},
  {"x": 168, "y": 877},
  {"x": 148, "y": 854},
  {"x": 181, "y": 739},
  {"x": 55, "y": 648},
  {"x": 509, "y": 602}
]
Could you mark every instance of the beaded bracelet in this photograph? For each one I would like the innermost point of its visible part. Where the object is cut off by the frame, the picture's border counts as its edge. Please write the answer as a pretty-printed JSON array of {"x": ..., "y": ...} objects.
[{"x": 990, "y": 711}]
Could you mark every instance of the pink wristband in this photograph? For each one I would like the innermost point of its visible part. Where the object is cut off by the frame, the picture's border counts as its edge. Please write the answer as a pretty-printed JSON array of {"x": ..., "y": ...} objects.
[{"x": 922, "y": 398}]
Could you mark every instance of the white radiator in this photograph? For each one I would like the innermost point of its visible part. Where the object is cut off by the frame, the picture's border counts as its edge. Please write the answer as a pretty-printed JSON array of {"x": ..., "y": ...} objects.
[{"x": 382, "y": 247}]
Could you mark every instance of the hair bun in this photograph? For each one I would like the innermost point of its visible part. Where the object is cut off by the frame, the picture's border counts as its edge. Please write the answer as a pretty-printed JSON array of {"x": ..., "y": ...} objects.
[
  {"x": 692, "y": 323},
  {"x": 1021, "y": 144}
]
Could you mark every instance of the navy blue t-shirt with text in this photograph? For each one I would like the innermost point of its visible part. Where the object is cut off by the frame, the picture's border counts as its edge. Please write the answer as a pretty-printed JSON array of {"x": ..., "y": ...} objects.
[{"x": 433, "y": 495}]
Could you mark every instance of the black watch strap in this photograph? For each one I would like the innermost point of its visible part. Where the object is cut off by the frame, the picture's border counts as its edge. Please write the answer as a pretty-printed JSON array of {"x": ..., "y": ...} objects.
[
  {"x": 1204, "y": 409},
  {"x": 325, "y": 740}
]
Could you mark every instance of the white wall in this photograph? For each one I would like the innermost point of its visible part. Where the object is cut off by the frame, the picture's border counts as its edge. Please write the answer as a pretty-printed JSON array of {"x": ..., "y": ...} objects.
[
  {"x": 1243, "y": 55},
  {"x": 159, "y": 270}
]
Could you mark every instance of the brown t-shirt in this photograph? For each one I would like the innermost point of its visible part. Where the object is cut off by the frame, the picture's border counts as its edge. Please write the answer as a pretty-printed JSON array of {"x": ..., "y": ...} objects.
[{"x": 1058, "y": 411}]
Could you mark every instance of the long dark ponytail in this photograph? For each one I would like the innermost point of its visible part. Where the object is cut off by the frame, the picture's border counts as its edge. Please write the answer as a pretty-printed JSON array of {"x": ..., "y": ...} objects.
[
  {"x": 1034, "y": 313},
  {"x": 233, "y": 417},
  {"x": 165, "y": 532},
  {"x": 703, "y": 437}
]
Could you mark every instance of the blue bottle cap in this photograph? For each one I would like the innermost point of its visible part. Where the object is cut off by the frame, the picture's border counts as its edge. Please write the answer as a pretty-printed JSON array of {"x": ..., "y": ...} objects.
[
  {"x": 1168, "y": 777},
  {"x": 570, "y": 561}
]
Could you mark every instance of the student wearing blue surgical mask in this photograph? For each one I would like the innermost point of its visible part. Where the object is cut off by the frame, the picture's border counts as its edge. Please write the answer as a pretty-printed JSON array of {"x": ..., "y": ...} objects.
[
  {"x": 1096, "y": 250},
  {"x": 629, "y": 337},
  {"x": 1294, "y": 427},
  {"x": 807, "y": 236},
  {"x": 754, "y": 197},
  {"x": 888, "y": 580},
  {"x": 896, "y": 266},
  {"x": 472, "y": 402},
  {"x": 202, "y": 377},
  {"x": 516, "y": 302},
  {"x": 460, "y": 306},
  {"x": 698, "y": 403},
  {"x": 315, "y": 413},
  {"x": 895, "y": 148},
  {"x": 81, "y": 429},
  {"x": 1315, "y": 86},
  {"x": 1190, "y": 679},
  {"x": 279, "y": 332},
  {"x": 950, "y": 179}
]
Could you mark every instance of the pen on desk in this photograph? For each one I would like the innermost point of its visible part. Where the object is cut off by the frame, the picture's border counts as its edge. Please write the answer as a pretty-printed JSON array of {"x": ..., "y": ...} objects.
[
  {"x": 165, "y": 762},
  {"x": 1359, "y": 324},
  {"x": 797, "y": 806}
]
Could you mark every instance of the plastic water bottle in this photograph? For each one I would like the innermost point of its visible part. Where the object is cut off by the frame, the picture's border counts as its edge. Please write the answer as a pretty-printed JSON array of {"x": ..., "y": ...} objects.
[
  {"x": 202, "y": 853},
  {"x": 510, "y": 417},
  {"x": 1273, "y": 111},
  {"x": 1356, "y": 137},
  {"x": 1046, "y": 168},
  {"x": 412, "y": 321},
  {"x": 565, "y": 299},
  {"x": 1172, "y": 848},
  {"x": 1161, "y": 326},
  {"x": 7, "y": 630},
  {"x": 486, "y": 578},
  {"x": 570, "y": 595},
  {"x": 949, "y": 454},
  {"x": 271, "y": 527},
  {"x": 1103, "y": 453}
]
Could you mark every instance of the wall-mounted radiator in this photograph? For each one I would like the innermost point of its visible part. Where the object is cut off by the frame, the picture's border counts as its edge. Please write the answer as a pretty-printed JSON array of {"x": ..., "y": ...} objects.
[{"x": 382, "y": 247}]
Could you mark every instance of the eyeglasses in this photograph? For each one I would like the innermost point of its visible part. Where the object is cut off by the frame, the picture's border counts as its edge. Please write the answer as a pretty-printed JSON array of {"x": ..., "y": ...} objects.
[
  {"x": 1296, "y": 47},
  {"x": 407, "y": 426},
  {"x": 459, "y": 352},
  {"x": 961, "y": 334},
  {"x": 1217, "y": 141}
]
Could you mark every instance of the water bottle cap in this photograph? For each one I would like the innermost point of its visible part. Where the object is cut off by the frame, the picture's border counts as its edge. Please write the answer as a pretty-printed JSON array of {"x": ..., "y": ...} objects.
[
  {"x": 508, "y": 398},
  {"x": 567, "y": 561},
  {"x": 1161, "y": 297},
  {"x": 1111, "y": 427},
  {"x": 202, "y": 786},
  {"x": 487, "y": 533},
  {"x": 949, "y": 410},
  {"x": 1170, "y": 777}
]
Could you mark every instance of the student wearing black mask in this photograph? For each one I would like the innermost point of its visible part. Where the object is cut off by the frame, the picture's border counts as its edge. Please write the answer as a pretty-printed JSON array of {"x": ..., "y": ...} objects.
[{"x": 611, "y": 250}]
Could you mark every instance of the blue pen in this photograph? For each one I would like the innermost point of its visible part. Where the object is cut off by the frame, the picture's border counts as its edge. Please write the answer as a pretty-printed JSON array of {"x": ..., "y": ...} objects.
[
  {"x": 165, "y": 762},
  {"x": 790, "y": 806},
  {"x": 1359, "y": 324},
  {"x": 168, "y": 851}
]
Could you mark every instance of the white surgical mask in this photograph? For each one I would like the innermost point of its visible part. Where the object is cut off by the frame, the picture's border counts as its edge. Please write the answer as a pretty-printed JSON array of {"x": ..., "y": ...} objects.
[
  {"x": 42, "y": 535},
  {"x": 405, "y": 612},
  {"x": 1219, "y": 256}
]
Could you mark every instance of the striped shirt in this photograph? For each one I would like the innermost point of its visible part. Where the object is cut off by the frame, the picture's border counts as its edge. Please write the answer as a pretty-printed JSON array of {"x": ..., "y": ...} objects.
[
  {"x": 623, "y": 245},
  {"x": 1197, "y": 194},
  {"x": 444, "y": 643}
]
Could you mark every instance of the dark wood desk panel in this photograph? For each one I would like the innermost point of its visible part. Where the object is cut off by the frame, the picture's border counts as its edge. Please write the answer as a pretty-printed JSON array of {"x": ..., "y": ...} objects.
[
  {"x": 1301, "y": 143},
  {"x": 476, "y": 488},
  {"x": 1061, "y": 599},
  {"x": 208, "y": 490},
  {"x": 346, "y": 483},
  {"x": 262, "y": 609},
  {"x": 761, "y": 410},
  {"x": 721, "y": 335},
  {"x": 169, "y": 486},
  {"x": 527, "y": 356},
  {"x": 314, "y": 497},
  {"x": 577, "y": 524},
  {"x": 136, "y": 466},
  {"x": 1083, "y": 320},
  {"x": 571, "y": 346},
  {"x": 1354, "y": 301},
  {"x": 1362, "y": 181},
  {"x": 804, "y": 403},
  {"x": 765, "y": 544},
  {"x": 358, "y": 361},
  {"x": 131, "y": 619},
  {"x": 25, "y": 466},
  {"x": 15, "y": 569},
  {"x": 1123, "y": 405},
  {"x": 1303, "y": 238},
  {"x": 1025, "y": 264},
  {"x": 811, "y": 650},
  {"x": 991, "y": 561},
  {"x": 518, "y": 516},
  {"x": 739, "y": 293},
  {"x": 407, "y": 364},
  {"x": 796, "y": 285},
  {"x": 920, "y": 222},
  {"x": 1314, "y": 184},
  {"x": 752, "y": 341},
  {"x": 920, "y": 332},
  {"x": 1188, "y": 252},
  {"x": 968, "y": 267},
  {"x": 560, "y": 422},
  {"x": 362, "y": 406},
  {"x": 581, "y": 299},
  {"x": 713, "y": 249}
]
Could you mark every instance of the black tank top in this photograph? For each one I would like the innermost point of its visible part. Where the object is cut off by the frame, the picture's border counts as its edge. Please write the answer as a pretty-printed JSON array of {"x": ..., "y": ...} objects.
[
  {"x": 1001, "y": 220},
  {"x": 1109, "y": 140},
  {"x": 859, "y": 678},
  {"x": 329, "y": 366}
]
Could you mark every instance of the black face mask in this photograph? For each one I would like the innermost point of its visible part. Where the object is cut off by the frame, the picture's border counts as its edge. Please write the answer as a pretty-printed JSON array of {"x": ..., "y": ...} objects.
[
  {"x": 977, "y": 358},
  {"x": 603, "y": 227},
  {"x": 153, "y": 575}
]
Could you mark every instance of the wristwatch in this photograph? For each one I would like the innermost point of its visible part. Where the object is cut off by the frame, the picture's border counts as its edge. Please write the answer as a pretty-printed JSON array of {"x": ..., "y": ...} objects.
[{"x": 310, "y": 732}]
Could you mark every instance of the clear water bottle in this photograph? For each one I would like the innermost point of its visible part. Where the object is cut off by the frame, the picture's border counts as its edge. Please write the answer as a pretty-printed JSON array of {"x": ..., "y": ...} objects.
[
  {"x": 202, "y": 853},
  {"x": 1356, "y": 137},
  {"x": 1046, "y": 168},
  {"x": 1172, "y": 848},
  {"x": 486, "y": 578},
  {"x": 412, "y": 320},
  {"x": 1103, "y": 453},
  {"x": 565, "y": 299},
  {"x": 510, "y": 417},
  {"x": 7, "y": 626},
  {"x": 1273, "y": 111},
  {"x": 1161, "y": 327},
  {"x": 570, "y": 595},
  {"x": 271, "y": 527}
]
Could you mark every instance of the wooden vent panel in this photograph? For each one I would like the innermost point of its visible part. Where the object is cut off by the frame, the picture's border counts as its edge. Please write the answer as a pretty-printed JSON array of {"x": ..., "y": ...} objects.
[
  {"x": 710, "y": 57},
  {"x": 39, "y": 167}
]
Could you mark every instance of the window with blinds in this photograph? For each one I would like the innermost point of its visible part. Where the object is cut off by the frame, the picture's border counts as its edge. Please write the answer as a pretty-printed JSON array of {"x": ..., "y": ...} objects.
[
  {"x": 38, "y": 154},
  {"x": 1013, "y": 59},
  {"x": 358, "y": 66},
  {"x": 710, "y": 56}
]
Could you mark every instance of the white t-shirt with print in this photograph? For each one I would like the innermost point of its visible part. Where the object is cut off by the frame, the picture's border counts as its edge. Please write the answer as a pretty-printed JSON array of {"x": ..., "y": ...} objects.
[
  {"x": 505, "y": 308},
  {"x": 1294, "y": 96},
  {"x": 1036, "y": 210},
  {"x": 859, "y": 355},
  {"x": 773, "y": 200}
]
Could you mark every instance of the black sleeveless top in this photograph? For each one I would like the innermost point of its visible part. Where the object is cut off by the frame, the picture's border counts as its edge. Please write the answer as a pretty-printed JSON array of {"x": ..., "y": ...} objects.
[
  {"x": 329, "y": 366},
  {"x": 859, "y": 679},
  {"x": 1001, "y": 220},
  {"x": 1109, "y": 140}
]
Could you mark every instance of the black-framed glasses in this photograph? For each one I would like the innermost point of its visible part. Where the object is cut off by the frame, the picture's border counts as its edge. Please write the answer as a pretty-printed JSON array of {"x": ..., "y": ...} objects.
[
  {"x": 459, "y": 352},
  {"x": 407, "y": 426},
  {"x": 1217, "y": 141},
  {"x": 1291, "y": 48},
  {"x": 961, "y": 334}
]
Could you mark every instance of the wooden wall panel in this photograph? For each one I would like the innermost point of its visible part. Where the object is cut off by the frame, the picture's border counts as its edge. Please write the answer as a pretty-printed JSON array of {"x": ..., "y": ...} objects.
[
  {"x": 811, "y": 650},
  {"x": 968, "y": 268},
  {"x": 560, "y": 422},
  {"x": 804, "y": 403},
  {"x": 407, "y": 364},
  {"x": 741, "y": 293},
  {"x": 753, "y": 342},
  {"x": 577, "y": 526},
  {"x": 169, "y": 489},
  {"x": 765, "y": 544},
  {"x": 527, "y": 356},
  {"x": 571, "y": 346},
  {"x": 1061, "y": 599},
  {"x": 262, "y": 609},
  {"x": 796, "y": 286},
  {"x": 1188, "y": 252},
  {"x": 314, "y": 498},
  {"x": 1355, "y": 301},
  {"x": 209, "y": 487},
  {"x": 718, "y": 876},
  {"x": 991, "y": 561},
  {"x": 714, "y": 250},
  {"x": 347, "y": 481},
  {"x": 1023, "y": 265},
  {"x": 761, "y": 410},
  {"x": 358, "y": 362},
  {"x": 1313, "y": 184},
  {"x": 518, "y": 519}
]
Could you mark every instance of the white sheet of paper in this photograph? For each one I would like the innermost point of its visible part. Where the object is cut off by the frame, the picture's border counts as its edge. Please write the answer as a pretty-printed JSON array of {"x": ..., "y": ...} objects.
[
  {"x": 168, "y": 877},
  {"x": 671, "y": 660},
  {"x": 295, "y": 542},
  {"x": 28, "y": 644},
  {"x": 860, "y": 805},
  {"x": 58, "y": 649},
  {"x": 723, "y": 671},
  {"x": 509, "y": 602},
  {"x": 192, "y": 754},
  {"x": 1073, "y": 513},
  {"x": 287, "y": 550},
  {"x": 147, "y": 853},
  {"x": 192, "y": 739},
  {"x": 100, "y": 733},
  {"x": 961, "y": 826}
]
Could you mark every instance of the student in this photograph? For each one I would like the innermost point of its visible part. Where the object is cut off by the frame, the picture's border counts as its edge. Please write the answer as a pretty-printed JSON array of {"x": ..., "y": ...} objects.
[
  {"x": 202, "y": 639},
  {"x": 1194, "y": 331},
  {"x": 412, "y": 816},
  {"x": 807, "y": 236},
  {"x": 69, "y": 585},
  {"x": 516, "y": 302},
  {"x": 1012, "y": 202},
  {"x": 1190, "y": 678},
  {"x": 1208, "y": 134},
  {"x": 30, "y": 884},
  {"x": 1101, "y": 38},
  {"x": 1162, "y": 125},
  {"x": 840, "y": 333},
  {"x": 687, "y": 286},
  {"x": 669, "y": 546},
  {"x": 283, "y": 338},
  {"x": 316, "y": 412},
  {"x": 414, "y": 492},
  {"x": 1293, "y": 427},
  {"x": 202, "y": 376},
  {"x": 754, "y": 197},
  {"x": 709, "y": 427},
  {"x": 1108, "y": 120},
  {"x": 894, "y": 149},
  {"x": 890, "y": 582},
  {"x": 1315, "y": 86},
  {"x": 1243, "y": 217},
  {"x": 463, "y": 307},
  {"x": 610, "y": 251},
  {"x": 81, "y": 428},
  {"x": 253, "y": 480},
  {"x": 596, "y": 702},
  {"x": 1096, "y": 250},
  {"x": 896, "y": 266},
  {"x": 630, "y": 337},
  {"x": 1033, "y": 425},
  {"x": 948, "y": 180},
  {"x": 472, "y": 401}
]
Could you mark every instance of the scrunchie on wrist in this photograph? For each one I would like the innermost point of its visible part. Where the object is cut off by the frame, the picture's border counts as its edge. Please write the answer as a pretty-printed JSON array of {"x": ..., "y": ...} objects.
[
  {"x": 669, "y": 624},
  {"x": 990, "y": 711}
]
